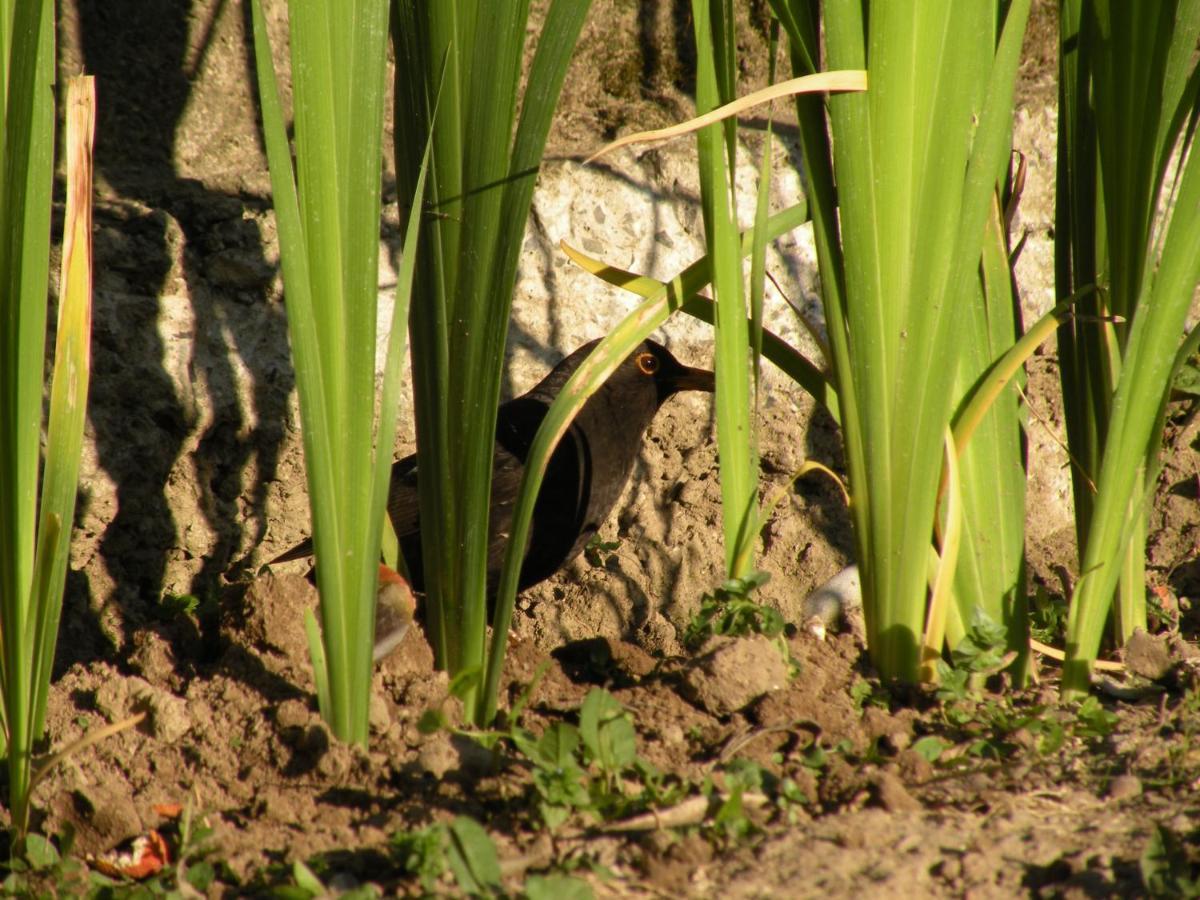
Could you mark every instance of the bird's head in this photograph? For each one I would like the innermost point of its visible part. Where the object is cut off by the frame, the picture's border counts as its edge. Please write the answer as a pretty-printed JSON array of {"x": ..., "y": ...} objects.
[
  {"x": 654, "y": 363},
  {"x": 643, "y": 381}
]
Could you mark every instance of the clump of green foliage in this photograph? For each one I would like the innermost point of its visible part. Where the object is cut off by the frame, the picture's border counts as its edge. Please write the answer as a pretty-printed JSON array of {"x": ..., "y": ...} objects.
[{"x": 729, "y": 611}]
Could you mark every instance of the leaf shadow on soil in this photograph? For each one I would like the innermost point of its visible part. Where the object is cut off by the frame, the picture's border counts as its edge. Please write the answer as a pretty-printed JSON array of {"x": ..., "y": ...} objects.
[{"x": 145, "y": 58}]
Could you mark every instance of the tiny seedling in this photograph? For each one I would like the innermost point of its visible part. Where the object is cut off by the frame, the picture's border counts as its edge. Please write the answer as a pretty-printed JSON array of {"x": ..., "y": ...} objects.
[
  {"x": 558, "y": 777},
  {"x": 991, "y": 724},
  {"x": 1092, "y": 720},
  {"x": 464, "y": 848},
  {"x": 931, "y": 747},
  {"x": 729, "y": 611},
  {"x": 565, "y": 756},
  {"x": 1167, "y": 868},
  {"x": 557, "y": 886},
  {"x": 815, "y": 757},
  {"x": 575, "y": 767},
  {"x": 1048, "y": 617},
  {"x": 790, "y": 799},
  {"x": 37, "y": 868},
  {"x": 742, "y": 776},
  {"x": 607, "y": 733},
  {"x": 598, "y": 551},
  {"x": 865, "y": 693},
  {"x": 980, "y": 653},
  {"x": 591, "y": 767},
  {"x": 173, "y": 606},
  {"x": 998, "y": 727},
  {"x": 421, "y": 852},
  {"x": 744, "y": 781}
]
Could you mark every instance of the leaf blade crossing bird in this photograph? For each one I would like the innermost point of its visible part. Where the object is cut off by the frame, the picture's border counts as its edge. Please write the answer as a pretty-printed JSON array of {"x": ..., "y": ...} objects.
[{"x": 586, "y": 475}]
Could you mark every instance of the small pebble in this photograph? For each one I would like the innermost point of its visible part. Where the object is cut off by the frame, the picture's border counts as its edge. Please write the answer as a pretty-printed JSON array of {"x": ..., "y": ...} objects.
[
  {"x": 436, "y": 756},
  {"x": 893, "y": 795},
  {"x": 913, "y": 767},
  {"x": 378, "y": 714},
  {"x": 112, "y": 699},
  {"x": 168, "y": 718},
  {"x": 1124, "y": 787},
  {"x": 292, "y": 714},
  {"x": 341, "y": 882},
  {"x": 336, "y": 762}
]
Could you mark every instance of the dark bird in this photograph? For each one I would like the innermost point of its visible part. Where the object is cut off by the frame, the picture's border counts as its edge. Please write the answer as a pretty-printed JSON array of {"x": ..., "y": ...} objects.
[{"x": 587, "y": 471}]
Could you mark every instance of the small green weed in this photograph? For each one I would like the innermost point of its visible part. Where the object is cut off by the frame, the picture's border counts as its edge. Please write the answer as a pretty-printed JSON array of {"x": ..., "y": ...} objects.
[
  {"x": 597, "y": 552},
  {"x": 585, "y": 768},
  {"x": 1048, "y": 617},
  {"x": 1092, "y": 720},
  {"x": 980, "y": 653},
  {"x": 421, "y": 853},
  {"x": 174, "y": 605},
  {"x": 558, "y": 777},
  {"x": 1167, "y": 869},
  {"x": 556, "y": 886},
  {"x": 865, "y": 693},
  {"x": 1000, "y": 726},
  {"x": 729, "y": 611},
  {"x": 730, "y": 821},
  {"x": 37, "y": 868},
  {"x": 465, "y": 850}
]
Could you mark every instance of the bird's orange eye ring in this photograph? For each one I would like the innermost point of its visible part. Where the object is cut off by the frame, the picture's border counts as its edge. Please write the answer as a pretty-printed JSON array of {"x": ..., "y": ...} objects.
[{"x": 647, "y": 363}]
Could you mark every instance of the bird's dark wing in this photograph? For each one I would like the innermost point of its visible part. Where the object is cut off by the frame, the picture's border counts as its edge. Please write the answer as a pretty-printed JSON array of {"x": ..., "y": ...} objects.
[
  {"x": 507, "y": 470},
  {"x": 403, "y": 506},
  {"x": 561, "y": 501}
]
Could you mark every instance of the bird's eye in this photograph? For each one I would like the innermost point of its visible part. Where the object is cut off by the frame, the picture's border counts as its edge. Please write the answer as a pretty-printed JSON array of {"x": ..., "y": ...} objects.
[{"x": 647, "y": 363}]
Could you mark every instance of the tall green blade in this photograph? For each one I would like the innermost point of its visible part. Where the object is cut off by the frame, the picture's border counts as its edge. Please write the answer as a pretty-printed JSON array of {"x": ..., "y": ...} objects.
[
  {"x": 327, "y": 208},
  {"x": 917, "y": 160},
  {"x": 1128, "y": 96},
  {"x": 717, "y": 159},
  {"x": 1130, "y": 462},
  {"x": 488, "y": 136},
  {"x": 68, "y": 395},
  {"x": 26, "y": 167}
]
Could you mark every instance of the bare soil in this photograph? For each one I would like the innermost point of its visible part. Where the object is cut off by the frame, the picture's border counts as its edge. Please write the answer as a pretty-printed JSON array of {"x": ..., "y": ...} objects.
[{"x": 194, "y": 478}]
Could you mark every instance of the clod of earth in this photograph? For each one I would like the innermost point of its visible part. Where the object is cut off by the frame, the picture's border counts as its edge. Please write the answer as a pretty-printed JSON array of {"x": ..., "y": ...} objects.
[{"x": 731, "y": 673}]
